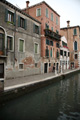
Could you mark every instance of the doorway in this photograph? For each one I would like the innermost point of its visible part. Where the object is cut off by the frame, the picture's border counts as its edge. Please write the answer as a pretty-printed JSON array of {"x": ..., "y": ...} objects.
[
  {"x": 45, "y": 67},
  {"x": 1, "y": 70}
]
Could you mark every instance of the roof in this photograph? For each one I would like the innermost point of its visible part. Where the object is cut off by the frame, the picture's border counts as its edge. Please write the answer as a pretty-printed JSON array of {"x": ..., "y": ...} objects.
[
  {"x": 19, "y": 10},
  {"x": 43, "y": 2},
  {"x": 69, "y": 27}
]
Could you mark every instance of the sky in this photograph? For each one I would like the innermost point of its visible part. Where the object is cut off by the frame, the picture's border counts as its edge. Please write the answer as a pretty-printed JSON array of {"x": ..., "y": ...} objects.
[{"x": 67, "y": 9}]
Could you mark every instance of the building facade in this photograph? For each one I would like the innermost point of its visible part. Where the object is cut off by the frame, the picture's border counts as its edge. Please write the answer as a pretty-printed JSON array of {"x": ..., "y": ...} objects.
[
  {"x": 20, "y": 43},
  {"x": 73, "y": 40},
  {"x": 50, "y": 38},
  {"x": 64, "y": 54}
]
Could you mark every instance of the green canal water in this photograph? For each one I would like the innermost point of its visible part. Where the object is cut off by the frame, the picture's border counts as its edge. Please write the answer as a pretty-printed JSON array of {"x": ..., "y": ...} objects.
[{"x": 58, "y": 101}]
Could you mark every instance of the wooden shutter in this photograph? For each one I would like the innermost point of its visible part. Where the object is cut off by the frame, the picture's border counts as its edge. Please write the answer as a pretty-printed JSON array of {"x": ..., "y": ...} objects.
[
  {"x": 18, "y": 21},
  {"x": 6, "y": 15},
  {"x": 25, "y": 24},
  {"x": 33, "y": 27},
  {"x": 14, "y": 18}
]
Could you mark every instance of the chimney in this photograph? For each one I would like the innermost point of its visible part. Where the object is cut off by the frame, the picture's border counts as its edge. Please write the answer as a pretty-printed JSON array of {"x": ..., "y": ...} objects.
[
  {"x": 27, "y": 4},
  {"x": 68, "y": 23}
]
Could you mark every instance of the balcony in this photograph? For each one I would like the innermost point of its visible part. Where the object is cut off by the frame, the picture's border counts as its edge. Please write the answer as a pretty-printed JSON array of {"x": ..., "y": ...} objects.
[{"x": 52, "y": 34}]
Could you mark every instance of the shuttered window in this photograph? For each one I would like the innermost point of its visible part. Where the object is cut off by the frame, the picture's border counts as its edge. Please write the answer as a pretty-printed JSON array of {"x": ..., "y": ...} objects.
[
  {"x": 46, "y": 26},
  {"x": 51, "y": 52},
  {"x": 10, "y": 17},
  {"x": 39, "y": 12},
  {"x": 51, "y": 43},
  {"x": 51, "y": 16},
  {"x": 75, "y": 45},
  {"x": 22, "y": 22},
  {"x": 36, "y": 29},
  {"x": 75, "y": 31},
  {"x": 47, "y": 12},
  {"x": 1, "y": 42},
  {"x": 56, "y": 20},
  {"x": 21, "y": 45},
  {"x": 9, "y": 43},
  {"x": 47, "y": 41}
]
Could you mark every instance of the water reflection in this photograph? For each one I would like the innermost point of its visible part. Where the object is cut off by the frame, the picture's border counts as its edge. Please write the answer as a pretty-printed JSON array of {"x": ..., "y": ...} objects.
[{"x": 60, "y": 101}]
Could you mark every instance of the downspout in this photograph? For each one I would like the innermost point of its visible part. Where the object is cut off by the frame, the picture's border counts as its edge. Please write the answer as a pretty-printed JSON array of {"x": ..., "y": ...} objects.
[{"x": 14, "y": 39}]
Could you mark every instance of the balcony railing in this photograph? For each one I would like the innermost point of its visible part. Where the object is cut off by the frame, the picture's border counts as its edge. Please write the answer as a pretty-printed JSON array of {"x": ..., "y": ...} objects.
[{"x": 52, "y": 34}]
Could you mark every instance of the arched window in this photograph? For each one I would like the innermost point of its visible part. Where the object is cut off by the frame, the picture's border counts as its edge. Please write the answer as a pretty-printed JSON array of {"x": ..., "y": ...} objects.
[{"x": 75, "y": 46}]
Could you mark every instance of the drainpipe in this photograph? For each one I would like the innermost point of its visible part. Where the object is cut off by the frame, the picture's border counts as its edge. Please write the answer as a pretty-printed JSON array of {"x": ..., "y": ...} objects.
[{"x": 14, "y": 40}]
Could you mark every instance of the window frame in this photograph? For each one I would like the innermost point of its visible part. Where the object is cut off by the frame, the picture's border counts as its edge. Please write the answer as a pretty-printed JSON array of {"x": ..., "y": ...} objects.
[
  {"x": 19, "y": 67},
  {"x": 37, "y": 12},
  {"x": 47, "y": 13},
  {"x": 74, "y": 45},
  {"x": 52, "y": 17},
  {"x": 74, "y": 31},
  {"x": 37, "y": 48},
  {"x": 19, "y": 46},
  {"x": 12, "y": 43},
  {"x": 56, "y": 20},
  {"x": 7, "y": 12}
]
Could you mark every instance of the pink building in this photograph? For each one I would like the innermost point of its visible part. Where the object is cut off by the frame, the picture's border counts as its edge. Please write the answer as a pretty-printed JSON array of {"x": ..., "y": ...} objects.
[{"x": 50, "y": 38}]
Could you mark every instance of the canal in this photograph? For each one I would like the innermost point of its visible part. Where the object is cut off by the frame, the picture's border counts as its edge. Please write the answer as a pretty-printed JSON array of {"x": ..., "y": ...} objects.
[{"x": 58, "y": 101}]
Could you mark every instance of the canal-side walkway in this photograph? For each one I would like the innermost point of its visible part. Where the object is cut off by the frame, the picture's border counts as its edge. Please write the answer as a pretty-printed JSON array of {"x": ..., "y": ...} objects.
[{"x": 25, "y": 81}]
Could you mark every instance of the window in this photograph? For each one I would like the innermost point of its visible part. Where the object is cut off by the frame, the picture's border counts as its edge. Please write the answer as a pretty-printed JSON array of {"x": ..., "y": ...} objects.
[
  {"x": 47, "y": 12},
  {"x": 57, "y": 54},
  {"x": 51, "y": 43},
  {"x": 10, "y": 17},
  {"x": 51, "y": 52},
  {"x": 47, "y": 41},
  {"x": 36, "y": 48},
  {"x": 46, "y": 26},
  {"x": 68, "y": 54},
  {"x": 22, "y": 22},
  {"x": 35, "y": 29},
  {"x": 36, "y": 64},
  {"x": 10, "y": 43},
  {"x": 76, "y": 56},
  {"x": 1, "y": 42},
  {"x": 56, "y": 20},
  {"x": 74, "y": 31},
  {"x": 75, "y": 46},
  {"x": 64, "y": 53},
  {"x": 47, "y": 52},
  {"x": 49, "y": 64},
  {"x": 51, "y": 16},
  {"x": 38, "y": 12},
  {"x": 64, "y": 44},
  {"x": 21, "y": 66},
  {"x": 57, "y": 31},
  {"x": 57, "y": 45},
  {"x": 52, "y": 28},
  {"x": 21, "y": 45},
  {"x": 61, "y": 52}
]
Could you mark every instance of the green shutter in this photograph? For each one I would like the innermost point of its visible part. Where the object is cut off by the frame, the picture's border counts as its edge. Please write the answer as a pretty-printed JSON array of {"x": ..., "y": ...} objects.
[
  {"x": 51, "y": 52},
  {"x": 14, "y": 18},
  {"x": 25, "y": 24},
  {"x": 33, "y": 27},
  {"x": 18, "y": 21},
  {"x": 75, "y": 32},
  {"x": 6, "y": 15},
  {"x": 21, "y": 45},
  {"x": 47, "y": 12}
]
